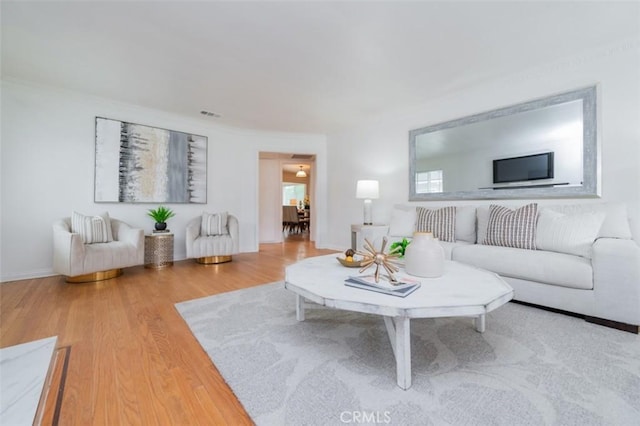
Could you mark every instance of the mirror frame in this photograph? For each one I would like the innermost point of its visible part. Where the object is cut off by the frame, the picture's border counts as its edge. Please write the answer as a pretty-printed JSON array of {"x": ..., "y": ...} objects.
[{"x": 590, "y": 167}]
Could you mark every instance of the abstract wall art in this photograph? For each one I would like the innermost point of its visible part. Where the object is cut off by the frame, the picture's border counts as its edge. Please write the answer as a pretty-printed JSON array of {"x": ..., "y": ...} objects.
[{"x": 143, "y": 164}]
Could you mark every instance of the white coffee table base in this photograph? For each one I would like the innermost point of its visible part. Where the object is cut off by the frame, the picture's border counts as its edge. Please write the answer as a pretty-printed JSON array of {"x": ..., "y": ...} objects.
[
  {"x": 399, "y": 332},
  {"x": 462, "y": 291}
]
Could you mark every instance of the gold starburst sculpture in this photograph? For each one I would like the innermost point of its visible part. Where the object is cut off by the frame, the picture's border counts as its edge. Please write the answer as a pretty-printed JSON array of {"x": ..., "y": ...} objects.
[{"x": 371, "y": 256}]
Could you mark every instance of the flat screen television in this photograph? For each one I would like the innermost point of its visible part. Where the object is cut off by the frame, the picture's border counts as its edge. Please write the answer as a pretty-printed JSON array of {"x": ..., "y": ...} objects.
[{"x": 525, "y": 168}]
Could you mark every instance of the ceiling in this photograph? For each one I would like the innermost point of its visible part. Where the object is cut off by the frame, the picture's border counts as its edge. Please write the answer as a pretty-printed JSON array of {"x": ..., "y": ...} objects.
[{"x": 294, "y": 66}]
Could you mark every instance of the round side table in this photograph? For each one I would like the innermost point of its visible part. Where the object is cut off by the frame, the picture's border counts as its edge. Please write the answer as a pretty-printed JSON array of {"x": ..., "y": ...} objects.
[{"x": 158, "y": 250}]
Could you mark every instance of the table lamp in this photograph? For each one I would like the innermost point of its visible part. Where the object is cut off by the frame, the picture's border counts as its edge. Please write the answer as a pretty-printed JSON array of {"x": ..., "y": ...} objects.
[{"x": 367, "y": 190}]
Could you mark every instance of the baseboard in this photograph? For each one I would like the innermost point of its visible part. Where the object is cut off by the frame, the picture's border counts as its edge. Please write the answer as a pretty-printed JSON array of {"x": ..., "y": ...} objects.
[
  {"x": 613, "y": 324},
  {"x": 594, "y": 320},
  {"x": 42, "y": 273}
]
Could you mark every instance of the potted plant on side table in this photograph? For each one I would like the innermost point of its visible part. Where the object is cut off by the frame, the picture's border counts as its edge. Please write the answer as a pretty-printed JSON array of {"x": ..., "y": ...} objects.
[{"x": 161, "y": 215}]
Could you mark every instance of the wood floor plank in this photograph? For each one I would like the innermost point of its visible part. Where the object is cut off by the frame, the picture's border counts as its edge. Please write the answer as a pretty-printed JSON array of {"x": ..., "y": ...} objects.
[
  {"x": 134, "y": 359},
  {"x": 130, "y": 403}
]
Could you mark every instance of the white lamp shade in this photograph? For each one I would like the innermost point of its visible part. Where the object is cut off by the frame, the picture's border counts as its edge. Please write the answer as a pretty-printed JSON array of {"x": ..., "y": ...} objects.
[{"x": 367, "y": 189}]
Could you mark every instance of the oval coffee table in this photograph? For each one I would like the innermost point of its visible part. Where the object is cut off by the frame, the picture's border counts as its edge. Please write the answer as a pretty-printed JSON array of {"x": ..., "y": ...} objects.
[{"x": 462, "y": 290}]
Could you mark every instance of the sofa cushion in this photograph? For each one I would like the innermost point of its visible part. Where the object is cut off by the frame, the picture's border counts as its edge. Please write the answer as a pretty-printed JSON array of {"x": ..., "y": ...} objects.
[
  {"x": 221, "y": 245},
  {"x": 450, "y": 247},
  {"x": 441, "y": 222},
  {"x": 113, "y": 255},
  {"x": 541, "y": 266},
  {"x": 616, "y": 222},
  {"x": 403, "y": 221},
  {"x": 482, "y": 220},
  {"x": 568, "y": 233},
  {"x": 92, "y": 229},
  {"x": 466, "y": 224},
  {"x": 214, "y": 224},
  {"x": 512, "y": 228}
]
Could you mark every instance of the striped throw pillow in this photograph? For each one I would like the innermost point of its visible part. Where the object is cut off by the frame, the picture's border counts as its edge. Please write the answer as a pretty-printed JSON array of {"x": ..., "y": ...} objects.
[
  {"x": 512, "y": 228},
  {"x": 214, "y": 224},
  {"x": 441, "y": 222},
  {"x": 92, "y": 229}
]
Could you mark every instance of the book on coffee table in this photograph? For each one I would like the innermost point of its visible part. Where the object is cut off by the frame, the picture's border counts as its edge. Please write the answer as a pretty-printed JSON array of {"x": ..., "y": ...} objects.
[{"x": 402, "y": 288}]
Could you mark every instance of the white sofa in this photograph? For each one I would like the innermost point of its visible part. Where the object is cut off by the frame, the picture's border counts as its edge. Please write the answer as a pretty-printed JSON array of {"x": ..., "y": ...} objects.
[{"x": 599, "y": 280}]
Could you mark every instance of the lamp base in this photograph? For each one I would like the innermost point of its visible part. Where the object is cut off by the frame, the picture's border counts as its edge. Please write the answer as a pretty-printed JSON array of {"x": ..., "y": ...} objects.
[{"x": 367, "y": 213}]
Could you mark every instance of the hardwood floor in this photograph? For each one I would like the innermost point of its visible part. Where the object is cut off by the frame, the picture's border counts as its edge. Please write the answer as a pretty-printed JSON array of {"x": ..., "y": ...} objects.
[{"x": 133, "y": 360}]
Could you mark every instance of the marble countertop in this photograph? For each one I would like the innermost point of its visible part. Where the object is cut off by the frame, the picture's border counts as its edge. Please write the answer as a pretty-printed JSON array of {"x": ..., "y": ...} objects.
[{"x": 23, "y": 372}]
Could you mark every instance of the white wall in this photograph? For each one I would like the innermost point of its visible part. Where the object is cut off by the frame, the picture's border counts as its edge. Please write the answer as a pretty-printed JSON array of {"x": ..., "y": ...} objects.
[
  {"x": 48, "y": 148},
  {"x": 270, "y": 201},
  {"x": 379, "y": 150}
]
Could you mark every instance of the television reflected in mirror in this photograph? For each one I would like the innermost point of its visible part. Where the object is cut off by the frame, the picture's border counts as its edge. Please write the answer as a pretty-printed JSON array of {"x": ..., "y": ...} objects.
[
  {"x": 523, "y": 169},
  {"x": 544, "y": 148}
]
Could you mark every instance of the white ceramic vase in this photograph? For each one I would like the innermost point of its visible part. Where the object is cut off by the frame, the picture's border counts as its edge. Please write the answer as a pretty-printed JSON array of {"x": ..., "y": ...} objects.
[{"x": 424, "y": 256}]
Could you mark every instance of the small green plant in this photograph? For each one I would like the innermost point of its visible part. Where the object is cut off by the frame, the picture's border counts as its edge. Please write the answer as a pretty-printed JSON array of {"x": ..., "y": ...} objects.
[
  {"x": 399, "y": 247},
  {"x": 161, "y": 214}
]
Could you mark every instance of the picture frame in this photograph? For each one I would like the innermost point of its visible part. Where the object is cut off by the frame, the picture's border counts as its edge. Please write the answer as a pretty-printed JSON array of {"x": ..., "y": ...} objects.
[{"x": 135, "y": 163}]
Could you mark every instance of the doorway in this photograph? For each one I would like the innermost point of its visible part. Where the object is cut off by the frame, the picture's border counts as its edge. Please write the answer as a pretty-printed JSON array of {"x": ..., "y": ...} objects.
[{"x": 287, "y": 182}]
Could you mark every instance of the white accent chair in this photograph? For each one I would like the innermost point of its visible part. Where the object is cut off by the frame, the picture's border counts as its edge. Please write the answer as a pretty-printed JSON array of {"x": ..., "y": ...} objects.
[
  {"x": 212, "y": 249},
  {"x": 81, "y": 262}
]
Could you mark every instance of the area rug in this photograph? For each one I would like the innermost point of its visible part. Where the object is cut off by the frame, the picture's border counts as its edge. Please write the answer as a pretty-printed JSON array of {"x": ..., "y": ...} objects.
[{"x": 530, "y": 367}]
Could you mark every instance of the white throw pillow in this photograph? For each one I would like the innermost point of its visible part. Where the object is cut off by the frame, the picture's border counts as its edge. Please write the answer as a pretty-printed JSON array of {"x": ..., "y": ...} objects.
[
  {"x": 616, "y": 221},
  {"x": 214, "y": 224},
  {"x": 568, "y": 233},
  {"x": 92, "y": 229},
  {"x": 403, "y": 222}
]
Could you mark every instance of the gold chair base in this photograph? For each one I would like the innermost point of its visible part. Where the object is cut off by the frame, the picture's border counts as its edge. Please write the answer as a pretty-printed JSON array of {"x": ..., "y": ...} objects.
[
  {"x": 95, "y": 276},
  {"x": 212, "y": 260}
]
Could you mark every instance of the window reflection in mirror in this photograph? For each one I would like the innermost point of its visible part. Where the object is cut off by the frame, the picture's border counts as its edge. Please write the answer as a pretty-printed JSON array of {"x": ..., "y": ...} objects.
[{"x": 429, "y": 182}]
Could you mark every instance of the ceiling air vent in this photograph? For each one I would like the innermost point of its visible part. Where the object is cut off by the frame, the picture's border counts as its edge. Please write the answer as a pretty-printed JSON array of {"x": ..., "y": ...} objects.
[
  {"x": 302, "y": 156},
  {"x": 210, "y": 114}
]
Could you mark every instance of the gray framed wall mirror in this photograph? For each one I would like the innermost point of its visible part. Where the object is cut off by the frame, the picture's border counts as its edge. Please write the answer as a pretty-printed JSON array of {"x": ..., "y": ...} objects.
[{"x": 544, "y": 148}]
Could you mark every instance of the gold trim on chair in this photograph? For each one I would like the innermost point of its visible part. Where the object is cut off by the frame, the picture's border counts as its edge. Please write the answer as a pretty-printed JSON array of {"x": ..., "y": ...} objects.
[
  {"x": 208, "y": 260},
  {"x": 95, "y": 276}
]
